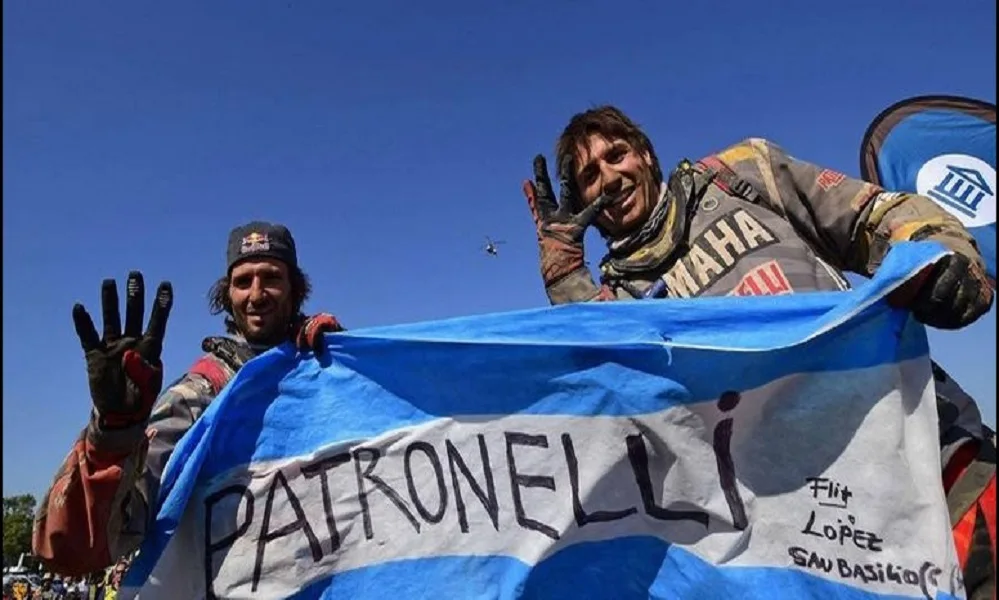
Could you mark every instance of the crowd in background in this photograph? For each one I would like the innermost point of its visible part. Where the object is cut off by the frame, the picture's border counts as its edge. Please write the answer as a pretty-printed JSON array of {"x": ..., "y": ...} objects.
[{"x": 102, "y": 585}]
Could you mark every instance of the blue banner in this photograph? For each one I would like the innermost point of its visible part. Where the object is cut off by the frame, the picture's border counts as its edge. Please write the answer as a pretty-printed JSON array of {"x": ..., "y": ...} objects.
[
  {"x": 942, "y": 147},
  {"x": 712, "y": 448}
]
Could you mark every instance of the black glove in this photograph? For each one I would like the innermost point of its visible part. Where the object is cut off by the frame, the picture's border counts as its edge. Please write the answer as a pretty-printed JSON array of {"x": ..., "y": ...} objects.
[
  {"x": 309, "y": 333},
  {"x": 560, "y": 232},
  {"x": 954, "y": 293},
  {"x": 124, "y": 370}
]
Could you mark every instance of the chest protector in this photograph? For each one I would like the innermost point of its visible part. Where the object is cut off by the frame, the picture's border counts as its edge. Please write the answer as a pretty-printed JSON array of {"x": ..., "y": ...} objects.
[
  {"x": 735, "y": 243},
  {"x": 223, "y": 358}
]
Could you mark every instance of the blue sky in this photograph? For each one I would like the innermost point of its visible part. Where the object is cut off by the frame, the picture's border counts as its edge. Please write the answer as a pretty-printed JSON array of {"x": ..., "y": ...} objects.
[{"x": 391, "y": 137}]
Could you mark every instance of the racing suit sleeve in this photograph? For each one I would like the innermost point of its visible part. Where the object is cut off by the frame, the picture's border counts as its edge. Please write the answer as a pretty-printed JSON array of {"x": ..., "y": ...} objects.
[
  {"x": 98, "y": 506},
  {"x": 851, "y": 223}
]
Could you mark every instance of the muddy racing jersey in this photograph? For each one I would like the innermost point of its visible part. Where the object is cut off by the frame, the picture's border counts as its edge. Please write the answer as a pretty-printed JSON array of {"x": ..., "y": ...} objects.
[{"x": 760, "y": 222}]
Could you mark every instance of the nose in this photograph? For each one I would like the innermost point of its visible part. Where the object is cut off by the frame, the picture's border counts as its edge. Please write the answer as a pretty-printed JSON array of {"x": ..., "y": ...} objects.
[
  {"x": 256, "y": 290},
  {"x": 610, "y": 178},
  {"x": 610, "y": 182}
]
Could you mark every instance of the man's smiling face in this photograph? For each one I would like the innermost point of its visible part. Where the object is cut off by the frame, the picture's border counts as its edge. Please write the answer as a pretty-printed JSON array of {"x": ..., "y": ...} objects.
[
  {"x": 614, "y": 167},
  {"x": 262, "y": 303}
]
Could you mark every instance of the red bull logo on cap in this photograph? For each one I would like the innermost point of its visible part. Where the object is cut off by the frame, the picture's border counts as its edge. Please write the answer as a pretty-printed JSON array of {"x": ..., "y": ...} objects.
[{"x": 255, "y": 242}]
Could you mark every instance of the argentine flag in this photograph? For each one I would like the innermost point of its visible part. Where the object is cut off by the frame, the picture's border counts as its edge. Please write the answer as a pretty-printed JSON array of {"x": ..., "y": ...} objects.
[{"x": 763, "y": 448}]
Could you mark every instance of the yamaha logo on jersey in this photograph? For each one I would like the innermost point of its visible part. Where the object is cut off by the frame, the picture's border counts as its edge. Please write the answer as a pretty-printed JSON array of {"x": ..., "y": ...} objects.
[{"x": 961, "y": 184}]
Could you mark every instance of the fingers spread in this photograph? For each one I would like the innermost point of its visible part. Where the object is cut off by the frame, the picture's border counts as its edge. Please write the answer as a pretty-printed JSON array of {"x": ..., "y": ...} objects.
[
  {"x": 135, "y": 297},
  {"x": 544, "y": 197},
  {"x": 589, "y": 214},
  {"x": 85, "y": 329},
  {"x": 109, "y": 310},
  {"x": 541, "y": 170},
  {"x": 532, "y": 201},
  {"x": 566, "y": 169},
  {"x": 160, "y": 312},
  {"x": 567, "y": 184}
]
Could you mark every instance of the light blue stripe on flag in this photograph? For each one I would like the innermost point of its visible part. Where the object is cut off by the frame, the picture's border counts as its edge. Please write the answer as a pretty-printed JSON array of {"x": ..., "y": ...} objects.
[{"x": 692, "y": 448}]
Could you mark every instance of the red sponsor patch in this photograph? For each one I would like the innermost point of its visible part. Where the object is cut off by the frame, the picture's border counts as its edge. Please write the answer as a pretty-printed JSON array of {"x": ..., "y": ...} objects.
[
  {"x": 829, "y": 179},
  {"x": 765, "y": 280}
]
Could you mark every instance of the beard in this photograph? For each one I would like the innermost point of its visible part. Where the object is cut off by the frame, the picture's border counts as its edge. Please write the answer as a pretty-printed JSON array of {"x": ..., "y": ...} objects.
[{"x": 273, "y": 331}]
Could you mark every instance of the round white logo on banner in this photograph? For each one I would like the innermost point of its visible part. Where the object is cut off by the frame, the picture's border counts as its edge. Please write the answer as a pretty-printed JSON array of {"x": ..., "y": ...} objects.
[{"x": 965, "y": 186}]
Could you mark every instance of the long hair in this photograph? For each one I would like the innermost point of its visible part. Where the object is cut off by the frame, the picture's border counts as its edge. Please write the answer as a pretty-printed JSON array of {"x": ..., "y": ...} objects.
[{"x": 219, "y": 302}]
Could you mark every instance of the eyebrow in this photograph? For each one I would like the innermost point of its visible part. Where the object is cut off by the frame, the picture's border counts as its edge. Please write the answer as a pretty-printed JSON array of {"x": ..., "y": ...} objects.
[
  {"x": 264, "y": 269},
  {"x": 611, "y": 146}
]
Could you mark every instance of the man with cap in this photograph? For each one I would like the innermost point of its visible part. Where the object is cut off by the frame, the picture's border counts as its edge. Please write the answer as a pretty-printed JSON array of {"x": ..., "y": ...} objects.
[
  {"x": 753, "y": 220},
  {"x": 103, "y": 497}
]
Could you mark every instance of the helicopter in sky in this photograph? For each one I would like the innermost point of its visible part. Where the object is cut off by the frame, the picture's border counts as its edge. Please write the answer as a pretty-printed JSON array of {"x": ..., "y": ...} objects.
[{"x": 491, "y": 246}]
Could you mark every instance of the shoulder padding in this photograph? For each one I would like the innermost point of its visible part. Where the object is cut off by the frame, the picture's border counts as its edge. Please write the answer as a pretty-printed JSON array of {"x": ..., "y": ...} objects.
[{"x": 209, "y": 367}]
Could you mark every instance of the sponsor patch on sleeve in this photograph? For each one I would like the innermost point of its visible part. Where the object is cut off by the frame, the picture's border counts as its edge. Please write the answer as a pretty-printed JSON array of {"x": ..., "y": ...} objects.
[{"x": 829, "y": 179}]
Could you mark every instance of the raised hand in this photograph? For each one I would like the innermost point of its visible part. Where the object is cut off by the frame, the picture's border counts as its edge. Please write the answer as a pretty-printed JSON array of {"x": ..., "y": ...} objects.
[
  {"x": 560, "y": 230},
  {"x": 124, "y": 368}
]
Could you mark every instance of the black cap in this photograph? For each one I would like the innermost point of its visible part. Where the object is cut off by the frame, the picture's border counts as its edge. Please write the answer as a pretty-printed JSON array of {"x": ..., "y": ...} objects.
[{"x": 258, "y": 239}]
